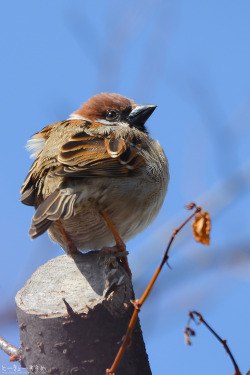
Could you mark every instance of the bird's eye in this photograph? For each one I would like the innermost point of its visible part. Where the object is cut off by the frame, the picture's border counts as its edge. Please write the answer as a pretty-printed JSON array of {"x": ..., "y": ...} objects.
[{"x": 111, "y": 115}]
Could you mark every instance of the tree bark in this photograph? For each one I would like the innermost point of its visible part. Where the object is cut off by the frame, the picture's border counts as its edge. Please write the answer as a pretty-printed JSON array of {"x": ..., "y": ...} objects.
[{"x": 73, "y": 314}]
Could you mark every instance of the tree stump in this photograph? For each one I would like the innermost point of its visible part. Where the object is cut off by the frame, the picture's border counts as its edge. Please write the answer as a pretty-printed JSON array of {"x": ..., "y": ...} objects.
[{"x": 73, "y": 313}]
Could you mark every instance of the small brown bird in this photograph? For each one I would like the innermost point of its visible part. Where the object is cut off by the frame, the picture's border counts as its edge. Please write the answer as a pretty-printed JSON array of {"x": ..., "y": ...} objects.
[{"x": 98, "y": 178}]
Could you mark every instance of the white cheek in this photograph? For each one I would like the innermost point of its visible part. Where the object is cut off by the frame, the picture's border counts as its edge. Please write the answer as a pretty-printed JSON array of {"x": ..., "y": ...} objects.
[
  {"x": 111, "y": 123},
  {"x": 35, "y": 145},
  {"x": 74, "y": 116}
]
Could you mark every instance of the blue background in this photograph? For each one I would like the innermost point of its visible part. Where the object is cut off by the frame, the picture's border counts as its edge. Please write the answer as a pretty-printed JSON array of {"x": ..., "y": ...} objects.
[{"x": 192, "y": 59}]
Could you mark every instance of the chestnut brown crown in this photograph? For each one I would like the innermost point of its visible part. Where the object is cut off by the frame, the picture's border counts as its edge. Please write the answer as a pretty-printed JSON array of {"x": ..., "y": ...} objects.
[{"x": 111, "y": 109}]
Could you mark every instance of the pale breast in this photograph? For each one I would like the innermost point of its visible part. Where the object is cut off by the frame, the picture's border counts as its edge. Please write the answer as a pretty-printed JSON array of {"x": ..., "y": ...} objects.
[{"x": 132, "y": 203}]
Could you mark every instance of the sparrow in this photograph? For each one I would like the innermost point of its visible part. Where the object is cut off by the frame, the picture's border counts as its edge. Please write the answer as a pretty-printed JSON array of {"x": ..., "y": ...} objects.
[{"x": 98, "y": 178}]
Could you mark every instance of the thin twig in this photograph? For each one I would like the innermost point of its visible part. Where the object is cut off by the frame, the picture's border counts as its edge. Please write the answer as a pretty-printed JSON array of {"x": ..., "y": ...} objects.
[
  {"x": 138, "y": 303},
  {"x": 222, "y": 341},
  {"x": 8, "y": 348}
]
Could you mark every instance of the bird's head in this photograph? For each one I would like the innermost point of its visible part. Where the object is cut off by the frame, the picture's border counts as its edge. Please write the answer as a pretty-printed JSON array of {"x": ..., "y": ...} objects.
[{"x": 115, "y": 109}]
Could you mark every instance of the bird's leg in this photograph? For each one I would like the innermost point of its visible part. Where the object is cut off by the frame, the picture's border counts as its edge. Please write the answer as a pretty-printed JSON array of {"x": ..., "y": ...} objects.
[
  {"x": 120, "y": 247},
  {"x": 70, "y": 246}
]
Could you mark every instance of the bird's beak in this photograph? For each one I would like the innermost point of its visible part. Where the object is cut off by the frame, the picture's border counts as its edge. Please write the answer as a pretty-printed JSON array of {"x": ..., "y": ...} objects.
[{"x": 140, "y": 114}]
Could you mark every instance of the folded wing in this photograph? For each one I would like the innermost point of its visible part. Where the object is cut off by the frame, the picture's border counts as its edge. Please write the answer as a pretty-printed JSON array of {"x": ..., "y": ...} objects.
[{"x": 85, "y": 155}]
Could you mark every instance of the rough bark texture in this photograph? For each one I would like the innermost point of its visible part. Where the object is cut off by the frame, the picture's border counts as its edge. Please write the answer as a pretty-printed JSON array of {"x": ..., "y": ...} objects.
[{"x": 84, "y": 337}]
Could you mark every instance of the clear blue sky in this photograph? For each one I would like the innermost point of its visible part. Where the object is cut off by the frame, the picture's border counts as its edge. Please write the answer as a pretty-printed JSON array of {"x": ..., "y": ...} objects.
[{"x": 192, "y": 59}]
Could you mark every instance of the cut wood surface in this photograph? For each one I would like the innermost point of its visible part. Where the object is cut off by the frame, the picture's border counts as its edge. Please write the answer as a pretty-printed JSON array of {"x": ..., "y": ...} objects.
[{"x": 73, "y": 313}]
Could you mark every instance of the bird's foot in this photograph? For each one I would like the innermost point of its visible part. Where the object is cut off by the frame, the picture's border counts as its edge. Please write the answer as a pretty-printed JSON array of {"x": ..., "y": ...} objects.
[
  {"x": 119, "y": 254},
  {"x": 120, "y": 245}
]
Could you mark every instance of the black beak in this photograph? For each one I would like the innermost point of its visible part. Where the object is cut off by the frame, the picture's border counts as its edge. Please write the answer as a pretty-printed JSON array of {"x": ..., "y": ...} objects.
[{"x": 139, "y": 115}]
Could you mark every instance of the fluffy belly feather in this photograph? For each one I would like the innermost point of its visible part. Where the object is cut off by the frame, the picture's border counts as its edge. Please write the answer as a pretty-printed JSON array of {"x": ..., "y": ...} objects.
[{"x": 130, "y": 207}]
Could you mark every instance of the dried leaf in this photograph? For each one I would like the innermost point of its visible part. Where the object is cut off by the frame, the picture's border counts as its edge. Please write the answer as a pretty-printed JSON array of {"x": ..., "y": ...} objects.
[
  {"x": 190, "y": 206},
  {"x": 191, "y": 331},
  {"x": 187, "y": 340},
  {"x": 201, "y": 227}
]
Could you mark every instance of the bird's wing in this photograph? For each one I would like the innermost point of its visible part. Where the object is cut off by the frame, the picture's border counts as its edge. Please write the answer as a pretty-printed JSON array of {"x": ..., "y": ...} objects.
[
  {"x": 34, "y": 177},
  {"x": 53, "y": 208},
  {"x": 88, "y": 155}
]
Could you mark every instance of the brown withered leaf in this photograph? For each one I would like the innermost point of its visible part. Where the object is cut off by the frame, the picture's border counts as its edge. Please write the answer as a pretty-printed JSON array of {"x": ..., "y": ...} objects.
[
  {"x": 201, "y": 227},
  {"x": 187, "y": 339},
  {"x": 190, "y": 206}
]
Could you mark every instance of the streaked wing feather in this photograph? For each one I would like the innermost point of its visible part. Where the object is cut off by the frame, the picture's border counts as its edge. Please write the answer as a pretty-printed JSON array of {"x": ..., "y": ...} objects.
[
  {"x": 84, "y": 156},
  {"x": 56, "y": 206},
  {"x": 28, "y": 197},
  {"x": 36, "y": 231},
  {"x": 27, "y": 191}
]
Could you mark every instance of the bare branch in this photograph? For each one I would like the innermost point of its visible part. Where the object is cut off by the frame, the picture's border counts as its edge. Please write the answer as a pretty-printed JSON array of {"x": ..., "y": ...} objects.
[
  {"x": 223, "y": 194},
  {"x": 9, "y": 349},
  {"x": 192, "y": 315},
  {"x": 138, "y": 303}
]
